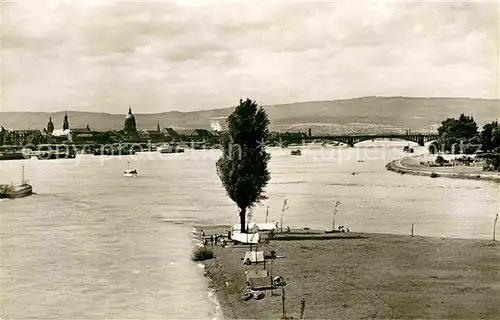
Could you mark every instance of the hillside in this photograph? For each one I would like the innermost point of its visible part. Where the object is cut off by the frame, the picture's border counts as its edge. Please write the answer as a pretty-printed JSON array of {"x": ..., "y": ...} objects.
[{"x": 353, "y": 115}]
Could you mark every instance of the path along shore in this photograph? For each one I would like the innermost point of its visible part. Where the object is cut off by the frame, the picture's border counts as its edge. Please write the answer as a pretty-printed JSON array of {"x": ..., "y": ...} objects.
[
  {"x": 411, "y": 165},
  {"x": 376, "y": 276}
]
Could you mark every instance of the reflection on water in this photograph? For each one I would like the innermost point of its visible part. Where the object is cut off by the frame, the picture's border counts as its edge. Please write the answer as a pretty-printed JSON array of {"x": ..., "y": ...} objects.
[{"x": 93, "y": 244}]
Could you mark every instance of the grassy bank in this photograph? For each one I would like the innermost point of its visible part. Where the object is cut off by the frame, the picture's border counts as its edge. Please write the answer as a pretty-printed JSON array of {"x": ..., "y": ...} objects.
[
  {"x": 373, "y": 277},
  {"x": 411, "y": 166}
]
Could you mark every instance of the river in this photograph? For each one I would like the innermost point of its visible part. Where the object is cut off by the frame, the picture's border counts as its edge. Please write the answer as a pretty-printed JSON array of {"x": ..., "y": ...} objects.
[{"x": 92, "y": 244}]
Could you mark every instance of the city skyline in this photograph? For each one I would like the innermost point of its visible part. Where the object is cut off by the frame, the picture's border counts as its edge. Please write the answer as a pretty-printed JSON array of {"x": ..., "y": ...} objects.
[{"x": 102, "y": 56}]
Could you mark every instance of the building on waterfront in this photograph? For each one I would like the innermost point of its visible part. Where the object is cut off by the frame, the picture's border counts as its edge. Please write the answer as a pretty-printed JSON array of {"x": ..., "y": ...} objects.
[
  {"x": 50, "y": 126},
  {"x": 21, "y": 137},
  {"x": 65, "y": 122},
  {"x": 81, "y": 135},
  {"x": 130, "y": 127},
  {"x": 153, "y": 136},
  {"x": 204, "y": 135},
  {"x": 59, "y": 136}
]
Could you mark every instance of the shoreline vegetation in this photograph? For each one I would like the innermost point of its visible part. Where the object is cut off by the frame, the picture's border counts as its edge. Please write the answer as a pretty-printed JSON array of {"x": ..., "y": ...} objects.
[
  {"x": 410, "y": 165},
  {"x": 361, "y": 276}
]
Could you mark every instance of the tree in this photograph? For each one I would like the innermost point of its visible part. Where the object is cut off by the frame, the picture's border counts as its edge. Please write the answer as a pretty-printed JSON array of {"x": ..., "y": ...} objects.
[
  {"x": 433, "y": 147},
  {"x": 490, "y": 136},
  {"x": 65, "y": 122},
  {"x": 454, "y": 132},
  {"x": 462, "y": 128},
  {"x": 242, "y": 167}
]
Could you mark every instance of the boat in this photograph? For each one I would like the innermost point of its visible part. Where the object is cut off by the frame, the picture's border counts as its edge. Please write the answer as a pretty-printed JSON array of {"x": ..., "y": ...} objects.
[
  {"x": 16, "y": 191},
  {"x": 11, "y": 156},
  {"x": 167, "y": 148},
  {"x": 295, "y": 152},
  {"x": 129, "y": 172}
]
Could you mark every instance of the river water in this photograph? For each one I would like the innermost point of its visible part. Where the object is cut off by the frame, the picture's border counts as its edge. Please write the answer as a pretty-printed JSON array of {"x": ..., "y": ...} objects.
[{"x": 92, "y": 244}]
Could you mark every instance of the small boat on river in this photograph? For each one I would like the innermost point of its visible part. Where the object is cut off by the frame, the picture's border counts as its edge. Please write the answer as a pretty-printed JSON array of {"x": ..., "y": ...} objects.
[
  {"x": 167, "y": 148},
  {"x": 16, "y": 191},
  {"x": 129, "y": 172},
  {"x": 295, "y": 152}
]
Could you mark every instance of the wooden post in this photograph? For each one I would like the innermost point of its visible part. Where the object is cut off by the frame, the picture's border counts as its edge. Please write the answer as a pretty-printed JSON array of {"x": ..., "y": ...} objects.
[
  {"x": 412, "y": 229},
  {"x": 335, "y": 209},
  {"x": 285, "y": 206},
  {"x": 495, "y": 227},
  {"x": 283, "y": 301},
  {"x": 302, "y": 308},
  {"x": 271, "y": 275},
  {"x": 333, "y": 224}
]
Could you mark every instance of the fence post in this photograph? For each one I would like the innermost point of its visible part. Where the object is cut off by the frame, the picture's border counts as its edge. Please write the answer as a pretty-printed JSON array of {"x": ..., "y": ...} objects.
[
  {"x": 283, "y": 301},
  {"x": 302, "y": 308},
  {"x": 495, "y": 226}
]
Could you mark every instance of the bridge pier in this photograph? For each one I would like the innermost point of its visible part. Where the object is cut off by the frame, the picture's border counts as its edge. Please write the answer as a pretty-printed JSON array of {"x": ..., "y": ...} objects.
[{"x": 420, "y": 141}]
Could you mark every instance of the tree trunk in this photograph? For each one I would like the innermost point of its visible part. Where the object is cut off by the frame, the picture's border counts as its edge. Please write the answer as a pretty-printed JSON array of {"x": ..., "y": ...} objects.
[{"x": 242, "y": 220}]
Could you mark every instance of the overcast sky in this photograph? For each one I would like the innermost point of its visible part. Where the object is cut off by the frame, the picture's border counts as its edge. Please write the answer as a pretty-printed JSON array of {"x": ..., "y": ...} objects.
[{"x": 99, "y": 55}]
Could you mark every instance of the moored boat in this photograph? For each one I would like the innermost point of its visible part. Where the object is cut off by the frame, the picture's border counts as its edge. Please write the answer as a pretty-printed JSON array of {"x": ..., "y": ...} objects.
[
  {"x": 11, "y": 156},
  {"x": 167, "y": 148},
  {"x": 16, "y": 191},
  {"x": 295, "y": 152}
]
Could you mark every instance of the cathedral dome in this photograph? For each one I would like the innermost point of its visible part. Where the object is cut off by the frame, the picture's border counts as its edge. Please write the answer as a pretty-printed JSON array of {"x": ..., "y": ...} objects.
[
  {"x": 129, "y": 115},
  {"x": 130, "y": 125}
]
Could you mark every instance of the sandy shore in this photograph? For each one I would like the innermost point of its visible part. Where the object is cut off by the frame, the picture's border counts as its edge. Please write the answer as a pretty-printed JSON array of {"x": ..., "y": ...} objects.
[
  {"x": 412, "y": 166},
  {"x": 376, "y": 276}
]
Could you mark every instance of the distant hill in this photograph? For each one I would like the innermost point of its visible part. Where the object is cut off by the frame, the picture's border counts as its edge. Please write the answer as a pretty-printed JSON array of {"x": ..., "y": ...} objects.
[{"x": 351, "y": 115}]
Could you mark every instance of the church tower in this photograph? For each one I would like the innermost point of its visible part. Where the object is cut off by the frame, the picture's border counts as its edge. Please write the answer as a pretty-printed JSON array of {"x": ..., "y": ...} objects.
[
  {"x": 50, "y": 126},
  {"x": 130, "y": 127},
  {"x": 66, "y": 122}
]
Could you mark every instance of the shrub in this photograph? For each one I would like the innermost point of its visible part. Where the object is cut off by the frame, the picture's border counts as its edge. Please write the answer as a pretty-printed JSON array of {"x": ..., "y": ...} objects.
[
  {"x": 440, "y": 160},
  {"x": 271, "y": 234},
  {"x": 202, "y": 253}
]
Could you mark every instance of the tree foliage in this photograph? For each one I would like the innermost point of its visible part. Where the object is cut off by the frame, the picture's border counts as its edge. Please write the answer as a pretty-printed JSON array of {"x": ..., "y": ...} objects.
[
  {"x": 462, "y": 128},
  {"x": 454, "y": 133},
  {"x": 490, "y": 136},
  {"x": 441, "y": 161},
  {"x": 242, "y": 167},
  {"x": 433, "y": 147},
  {"x": 202, "y": 254}
]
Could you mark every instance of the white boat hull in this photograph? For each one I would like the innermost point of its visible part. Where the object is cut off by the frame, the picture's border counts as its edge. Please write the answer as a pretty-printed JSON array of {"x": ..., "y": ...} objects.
[{"x": 130, "y": 175}]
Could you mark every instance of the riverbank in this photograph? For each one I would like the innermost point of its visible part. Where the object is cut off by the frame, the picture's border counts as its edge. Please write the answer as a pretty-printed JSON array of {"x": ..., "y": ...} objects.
[
  {"x": 412, "y": 166},
  {"x": 375, "y": 276}
]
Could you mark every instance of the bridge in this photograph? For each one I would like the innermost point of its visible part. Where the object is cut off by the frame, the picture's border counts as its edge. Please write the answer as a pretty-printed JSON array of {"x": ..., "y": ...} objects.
[{"x": 351, "y": 140}]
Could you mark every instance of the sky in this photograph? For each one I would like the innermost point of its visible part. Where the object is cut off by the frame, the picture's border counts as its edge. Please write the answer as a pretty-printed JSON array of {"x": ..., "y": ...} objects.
[{"x": 158, "y": 56}]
